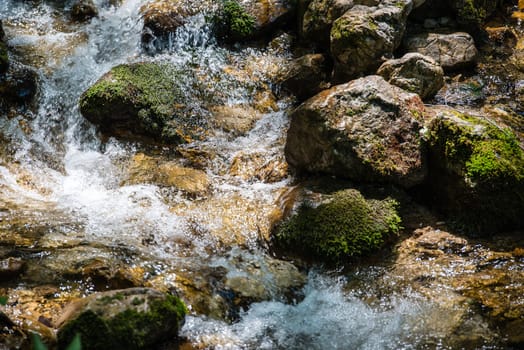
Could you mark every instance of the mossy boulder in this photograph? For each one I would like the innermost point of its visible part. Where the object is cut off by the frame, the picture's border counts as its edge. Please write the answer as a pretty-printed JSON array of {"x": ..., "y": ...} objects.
[
  {"x": 145, "y": 99},
  {"x": 135, "y": 318},
  {"x": 476, "y": 172},
  {"x": 364, "y": 36},
  {"x": 344, "y": 225}
]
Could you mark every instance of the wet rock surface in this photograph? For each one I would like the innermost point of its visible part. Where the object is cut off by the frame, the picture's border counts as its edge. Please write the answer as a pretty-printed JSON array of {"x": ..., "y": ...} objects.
[
  {"x": 306, "y": 76},
  {"x": 347, "y": 131},
  {"x": 363, "y": 36},
  {"x": 414, "y": 73},
  {"x": 458, "y": 272},
  {"x": 451, "y": 51}
]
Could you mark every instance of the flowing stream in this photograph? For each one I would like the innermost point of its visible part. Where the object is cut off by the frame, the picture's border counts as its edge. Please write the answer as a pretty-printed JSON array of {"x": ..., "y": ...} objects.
[{"x": 64, "y": 197}]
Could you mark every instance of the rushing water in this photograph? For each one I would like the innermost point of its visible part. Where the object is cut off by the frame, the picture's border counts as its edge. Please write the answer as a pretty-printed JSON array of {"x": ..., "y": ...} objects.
[{"x": 65, "y": 184}]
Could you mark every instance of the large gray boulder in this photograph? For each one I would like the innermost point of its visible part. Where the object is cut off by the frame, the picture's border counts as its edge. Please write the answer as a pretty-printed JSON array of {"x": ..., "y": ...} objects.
[
  {"x": 451, "y": 51},
  {"x": 364, "y": 37},
  {"x": 365, "y": 130},
  {"x": 134, "y": 318},
  {"x": 414, "y": 73}
]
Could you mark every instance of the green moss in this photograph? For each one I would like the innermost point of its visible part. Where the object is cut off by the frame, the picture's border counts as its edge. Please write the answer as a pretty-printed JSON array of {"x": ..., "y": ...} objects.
[
  {"x": 130, "y": 329},
  {"x": 346, "y": 226},
  {"x": 143, "y": 94},
  {"x": 483, "y": 151},
  {"x": 476, "y": 173},
  {"x": 474, "y": 11},
  {"x": 499, "y": 157},
  {"x": 238, "y": 23}
]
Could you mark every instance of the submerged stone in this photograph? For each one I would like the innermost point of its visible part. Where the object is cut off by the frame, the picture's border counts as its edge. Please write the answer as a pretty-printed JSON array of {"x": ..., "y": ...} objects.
[
  {"x": 84, "y": 10},
  {"x": 344, "y": 225},
  {"x": 136, "y": 318},
  {"x": 476, "y": 172}
]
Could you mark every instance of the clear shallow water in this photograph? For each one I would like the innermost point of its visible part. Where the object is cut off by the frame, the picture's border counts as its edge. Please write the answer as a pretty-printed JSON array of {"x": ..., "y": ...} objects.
[{"x": 60, "y": 168}]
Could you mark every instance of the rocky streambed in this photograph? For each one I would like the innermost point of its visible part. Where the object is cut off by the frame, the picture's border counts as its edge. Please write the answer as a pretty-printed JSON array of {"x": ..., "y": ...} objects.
[{"x": 318, "y": 174}]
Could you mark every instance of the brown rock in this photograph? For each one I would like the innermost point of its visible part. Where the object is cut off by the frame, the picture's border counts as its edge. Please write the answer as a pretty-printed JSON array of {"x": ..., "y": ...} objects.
[{"x": 365, "y": 130}]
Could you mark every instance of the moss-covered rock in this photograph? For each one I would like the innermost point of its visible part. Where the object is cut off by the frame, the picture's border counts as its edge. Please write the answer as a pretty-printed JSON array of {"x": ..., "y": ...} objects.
[
  {"x": 238, "y": 24},
  {"x": 476, "y": 172},
  {"x": 136, "y": 318},
  {"x": 343, "y": 226},
  {"x": 319, "y": 17},
  {"x": 473, "y": 12},
  {"x": 141, "y": 98}
]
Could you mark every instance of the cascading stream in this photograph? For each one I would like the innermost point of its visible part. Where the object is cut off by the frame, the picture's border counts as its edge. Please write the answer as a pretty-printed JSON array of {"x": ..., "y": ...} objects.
[{"x": 60, "y": 169}]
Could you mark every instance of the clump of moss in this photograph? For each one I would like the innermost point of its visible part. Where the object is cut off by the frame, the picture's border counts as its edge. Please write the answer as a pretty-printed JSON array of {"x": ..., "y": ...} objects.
[
  {"x": 234, "y": 22},
  {"x": 474, "y": 12},
  {"x": 345, "y": 226},
  {"x": 129, "y": 329},
  {"x": 477, "y": 173}
]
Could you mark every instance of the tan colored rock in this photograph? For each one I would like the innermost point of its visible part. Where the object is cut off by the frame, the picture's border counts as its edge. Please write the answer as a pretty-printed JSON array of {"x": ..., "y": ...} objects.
[
  {"x": 145, "y": 169},
  {"x": 456, "y": 272},
  {"x": 237, "y": 120},
  {"x": 414, "y": 73}
]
